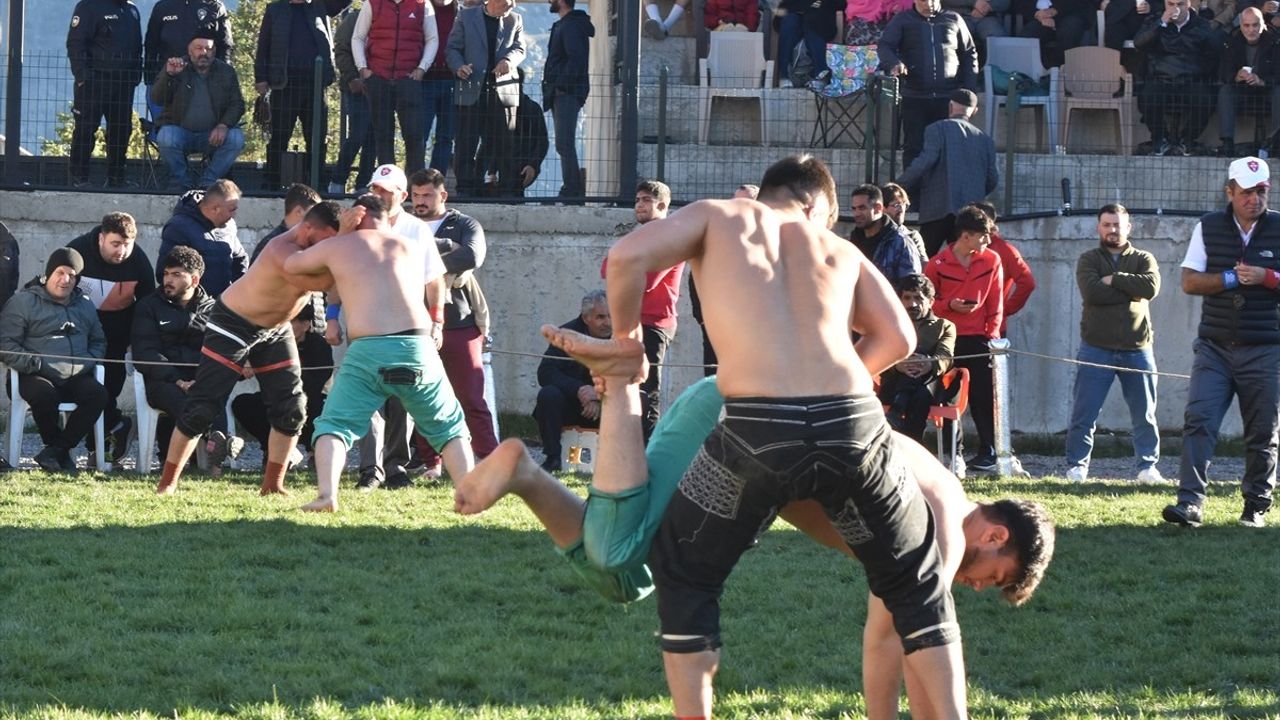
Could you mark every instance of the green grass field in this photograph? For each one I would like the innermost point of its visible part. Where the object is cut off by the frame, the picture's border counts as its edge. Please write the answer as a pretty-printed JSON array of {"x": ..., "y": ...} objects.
[{"x": 217, "y": 603}]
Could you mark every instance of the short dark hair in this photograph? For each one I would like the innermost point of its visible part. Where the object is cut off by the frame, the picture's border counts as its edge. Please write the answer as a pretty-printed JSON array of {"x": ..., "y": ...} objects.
[
  {"x": 300, "y": 196},
  {"x": 222, "y": 189},
  {"x": 894, "y": 190},
  {"x": 870, "y": 192},
  {"x": 987, "y": 209},
  {"x": 184, "y": 257},
  {"x": 323, "y": 214},
  {"x": 659, "y": 190},
  {"x": 375, "y": 209},
  {"x": 1115, "y": 208},
  {"x": 799, "y": 177},
  {"x": 916, "y": 282},
  {"x": 119, "y": 223},
  {"x": 1031, "y": 540},
  {"x": 970, "y": 219},
  {"x": 429, "y": 176}
]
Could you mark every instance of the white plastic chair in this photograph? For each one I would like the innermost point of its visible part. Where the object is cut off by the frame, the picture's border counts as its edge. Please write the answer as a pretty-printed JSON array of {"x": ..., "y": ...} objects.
[
  {"x": 147, "y": 417},
  {"x": 1020, "y": 55},
  {"x": 1091, "y": 76},
  {"x": 18, "y": 419},
  {"x": 735, "y": 67}
]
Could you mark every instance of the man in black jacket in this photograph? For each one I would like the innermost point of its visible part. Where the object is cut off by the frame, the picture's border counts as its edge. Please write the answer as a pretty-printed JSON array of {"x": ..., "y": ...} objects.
[
  {"x": 354, "y": 104},
  {"x": 294, "y": 35},
  {"x": 567, "y": 395},
  {"x": 932, "y": 53},
  {"x": 1181, "y": 59},
  {"x": 104, "y": 45},
  {"x": 203, "y": 106},
  {"x": 173, "y": 24},
  {"x": 1249, "y": 74},
  {"x": 1059, "y": 25},
  {"x": 565, "y": 84}
]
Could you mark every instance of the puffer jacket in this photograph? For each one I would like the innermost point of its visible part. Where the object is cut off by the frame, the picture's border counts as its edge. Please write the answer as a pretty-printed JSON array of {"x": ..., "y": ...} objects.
[
  {"x": 1176, "y": 55},
  {"x": 938, "y": 52},
  {"x": 225, "y": 259},
  {"x": 33, "y": 322}
]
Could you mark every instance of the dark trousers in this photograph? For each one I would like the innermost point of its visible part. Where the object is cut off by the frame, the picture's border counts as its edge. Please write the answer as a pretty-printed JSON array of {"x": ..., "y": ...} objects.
[
  {"x": 1067, "y": 32},
  {"x": 43, "y": 397},
  {"x": 391, "y": 99},
  {"x": 564, "y": 115},
  {"x": 656, "y": 341},
  {"x": 168, "y": 398},
  {"x": 438, "y": 109},
  {"x": 251, "y": 413},
  {"x": 917, "y": 114},
  {"x": 937, "y": 233},
  {"x": 908, "y": 400},
  {"x": 462, "y": 357},
  {"x": 95, "y": 99},
  {"x": 1122, "y": 22},
  {"x": 359, "y": 139},
  {"x": 553, "y": 411},
  {"x": 1192, "y": 101},
  {"x": 488, "y": 121},
  {"x": 290, "y": 105},
  {"x": 981, "y": 391},
  {"x": 1260, "y": 100},
  {"x": 384, "y": 450}
]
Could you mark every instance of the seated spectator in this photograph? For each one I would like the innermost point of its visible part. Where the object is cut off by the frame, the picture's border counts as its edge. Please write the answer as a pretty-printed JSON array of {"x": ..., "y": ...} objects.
[
  {"x": 202, "y": 110},
  {"x": 1181, "y": 59},
  {"x": 1123, "y": 19},
  {"x": 815, "y": 23},
  {"x": 896, "y": 203},
  {"x": 911, "y": 386},
  {"x": 865, "y": 20},
  {"x": 566, "y": 395},
  {"x": 1250, "y": 76},
  {"x": 879, "y": 237},
  {"x": 985, "y": 19},
  {"x": 529, "y": 147},
  {"x": 740, "y": 15},
  {"x": 1060, "y": 25},
  {"x": 1222, "y": 17},
  {"x": 205, "y": 220},
  {"x": 656, "y": 27},
  {"x": 51, "y": 316}
]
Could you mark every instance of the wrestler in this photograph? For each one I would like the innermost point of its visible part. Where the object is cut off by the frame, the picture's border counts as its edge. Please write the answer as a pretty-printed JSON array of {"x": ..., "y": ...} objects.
[
  {"x": 382, "y": 278},
  {"x": 249, "y": 331}
]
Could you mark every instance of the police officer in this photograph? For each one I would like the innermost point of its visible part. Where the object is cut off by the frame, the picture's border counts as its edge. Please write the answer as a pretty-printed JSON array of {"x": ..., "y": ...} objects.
[
  {"x": 104, "y": 45},
  {"x": 172, "y": 25}
]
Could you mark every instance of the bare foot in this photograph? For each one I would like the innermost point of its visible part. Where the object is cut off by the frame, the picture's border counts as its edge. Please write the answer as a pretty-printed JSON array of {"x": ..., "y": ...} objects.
[
  {"x": 166, "y": 488},
  {"x": 495, "y": 476},
  {"x": 616, "y": 357},
  {"x": 321, "y": 504},
  {"x": 270, "y": 488}
]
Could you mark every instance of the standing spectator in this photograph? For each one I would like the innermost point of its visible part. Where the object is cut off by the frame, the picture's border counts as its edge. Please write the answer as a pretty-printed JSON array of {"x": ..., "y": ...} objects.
[
  {"x": 911, "y": 386},
  {"x": 104, "y": 45},
  {"x": 655, "y": 26},
  {"x": 932, "y": 53},
  {"x": 1059, "y": 25},
  {"x": 354, "y": 103},
  {"x": 740, "y": 15},
  {"x": 168, "y": 332},
  {"x": 437, "y": 91},
  {"x": 970, "y": 288},
  {"x": 51, "y": 316},
  {"x": 530, "y": 145},
  {"x": 984, "y": 18},
  {"x": 203, "y": 106},
  {"x": 116, "y": 276},
  {"x": 205, "y": 220},
  {"x": 298, "y": 200},
  {"x": 174, "y": 23},
  {"x": 1233, "y": 261},
  {"x": 485, "y": 48},
  {"x": 1117, "y": 283},
  {"x": 395, "y": 41},
  {"x": 460, "y": 240},
  {"x": 294, "y": 34},
  {"x": 1181, "y": 60},
  {"x": 1250, "y": 76},
  {"x": 1019, "y": 282},
  {"x": 566, "y": 394},
  {"x": 957, "y": 167},
  {"x": 1123, "y": 20},
  {"x": 879, "y": 237},
  {"x": 658, "y": 308},
  {"x": 896, "y": 204},
  {"x": 565, "y": 84}
]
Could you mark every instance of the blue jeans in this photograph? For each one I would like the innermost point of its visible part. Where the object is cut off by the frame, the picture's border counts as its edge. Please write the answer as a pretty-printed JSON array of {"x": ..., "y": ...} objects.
[
  {"x": 359, "y": 139},
  {"x": 564, "y": 114},
  {"x": 1091, "y": 387},
  {"x": 175, "y": 142},
  {"x": 437, "y": 105},
  {"x": 792, "y": 33}
]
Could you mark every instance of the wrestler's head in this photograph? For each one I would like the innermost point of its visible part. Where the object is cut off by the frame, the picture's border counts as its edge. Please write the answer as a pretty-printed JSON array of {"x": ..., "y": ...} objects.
[
  {"x": 320, "y": 223},
  {"x": 803, "y": 180},
  {"x": 376, "y": 216},
  {"x": 917, "y": 293},
  {"x": 183, "y": 267},
  {"x": 1008, "y": 544}
]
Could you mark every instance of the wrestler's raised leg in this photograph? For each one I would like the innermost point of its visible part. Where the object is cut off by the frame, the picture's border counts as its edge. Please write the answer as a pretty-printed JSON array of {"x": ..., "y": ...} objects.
[
  {"x": 617, "y": 357},
  {"x": 510, "y": 470},
  {"x": 620, "y": 460}
]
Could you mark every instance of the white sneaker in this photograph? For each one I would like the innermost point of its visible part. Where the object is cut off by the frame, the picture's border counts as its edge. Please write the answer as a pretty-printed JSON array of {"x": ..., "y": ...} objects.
[
  {"x": 1078, "y": 474},
  {"x": 957, "y": 466},
  {"x": 1150, "y": 475},
  {"x": 336, "y": 189}
]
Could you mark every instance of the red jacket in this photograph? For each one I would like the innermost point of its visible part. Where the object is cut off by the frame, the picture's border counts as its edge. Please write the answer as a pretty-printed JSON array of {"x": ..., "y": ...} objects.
[
  {"x": 743, "y": 12},
  {"x": 395, "y": 37},
  {"x": 661, "y": 292},
  {"x": 983, "y": 281},
  {"x": 1017, "y": 275}
]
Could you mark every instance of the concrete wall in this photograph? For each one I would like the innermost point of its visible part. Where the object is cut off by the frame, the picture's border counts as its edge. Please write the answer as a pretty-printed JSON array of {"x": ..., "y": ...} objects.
[{"x": 543, "y": 259}]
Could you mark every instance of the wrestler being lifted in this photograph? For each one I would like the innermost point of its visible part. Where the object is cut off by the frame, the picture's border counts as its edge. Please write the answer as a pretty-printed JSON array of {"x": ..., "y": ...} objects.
[{"x": 249, "y": 331}]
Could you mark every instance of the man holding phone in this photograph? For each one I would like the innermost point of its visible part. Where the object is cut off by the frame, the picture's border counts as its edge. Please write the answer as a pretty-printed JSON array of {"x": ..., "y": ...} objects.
[{"x": 970, "y": 293}]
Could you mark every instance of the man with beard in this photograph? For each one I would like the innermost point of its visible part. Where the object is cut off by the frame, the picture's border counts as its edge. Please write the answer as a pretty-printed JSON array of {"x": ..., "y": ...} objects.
[
  {"x": 912, "y": 385},
  {"x": 1117, "y": 283},
  {"x": 879, "y": 237},
  {"x": 566, "y": 394}
]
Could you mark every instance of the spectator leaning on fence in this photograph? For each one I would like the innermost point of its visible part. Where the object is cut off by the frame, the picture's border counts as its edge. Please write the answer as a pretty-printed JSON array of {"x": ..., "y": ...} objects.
[
  {"x": 565, "y": 83},
  {"x": 1250, "y": 76},
  {"x": 1233, "y": 262},
  {"x": 1117, "y": 283},
  {"x": 47, "y": 318},
  {"x": 879, "y": 238},
  {"x": 394, "y": 43},
  {"x": 1181, "y": 60},
  {"x": 206, "y": 221},
  {"x": 104, "y": 45},
  {"x": 566, "y": 395}
]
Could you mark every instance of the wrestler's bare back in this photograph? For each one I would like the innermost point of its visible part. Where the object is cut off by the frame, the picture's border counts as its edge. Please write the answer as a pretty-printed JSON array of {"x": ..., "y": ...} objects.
[
  {"x": 380, "y": 277},
  {"x": 266, "y": 295}
]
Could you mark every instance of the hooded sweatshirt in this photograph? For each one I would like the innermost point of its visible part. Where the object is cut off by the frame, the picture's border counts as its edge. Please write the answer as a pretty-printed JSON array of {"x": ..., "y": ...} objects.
[
  {"x": 34, "y": 322},
  {"x": 568, "y": 56},
  {"x": 225, "y": 259}
]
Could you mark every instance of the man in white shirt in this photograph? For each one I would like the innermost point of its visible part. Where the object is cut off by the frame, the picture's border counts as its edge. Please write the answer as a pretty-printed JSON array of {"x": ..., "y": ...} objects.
[{"x": 394, "y": 43}]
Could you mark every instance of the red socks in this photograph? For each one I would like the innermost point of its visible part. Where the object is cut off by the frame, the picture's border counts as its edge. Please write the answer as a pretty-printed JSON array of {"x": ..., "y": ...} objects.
[
  {"x": 168, "y": 479},
  {"x": 273, "y": 479}
]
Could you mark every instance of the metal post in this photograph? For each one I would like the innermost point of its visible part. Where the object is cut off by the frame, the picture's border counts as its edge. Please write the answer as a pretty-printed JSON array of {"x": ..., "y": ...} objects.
[
  {"x": 1000, "y": 387},
  {"x": 1010, "y": 144},
  {"x": 629, "y": 77},
  {"x": 895, "y": 124},
  {"x": 662, "y": 123},
  {"x": 317, "y": 127},
  {"x": 13, "y": 90},
  {"x": 871, "y": 138}
]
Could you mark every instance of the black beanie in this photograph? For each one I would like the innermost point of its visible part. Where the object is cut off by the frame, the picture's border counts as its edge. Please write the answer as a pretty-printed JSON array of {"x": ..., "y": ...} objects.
[{"x": 64, "y": 256}]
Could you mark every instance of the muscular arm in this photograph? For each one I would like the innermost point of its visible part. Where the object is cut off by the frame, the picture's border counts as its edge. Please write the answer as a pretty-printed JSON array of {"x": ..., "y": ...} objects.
[
  {"x": 651, "y": 247},
  {"x": 878, "y": 316}
]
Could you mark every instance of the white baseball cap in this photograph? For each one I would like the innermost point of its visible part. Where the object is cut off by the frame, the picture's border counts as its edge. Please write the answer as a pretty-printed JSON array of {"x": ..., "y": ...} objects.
[
  {"x": 390, "y": 177},
  {"x": 1250, "y": 172}
]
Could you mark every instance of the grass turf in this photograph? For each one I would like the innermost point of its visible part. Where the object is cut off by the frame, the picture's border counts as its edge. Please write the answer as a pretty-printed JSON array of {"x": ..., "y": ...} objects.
[{"x": 217, "y": 603}]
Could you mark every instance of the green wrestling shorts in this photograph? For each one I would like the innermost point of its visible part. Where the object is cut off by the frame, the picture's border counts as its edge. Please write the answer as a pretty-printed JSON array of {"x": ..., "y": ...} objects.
[
  {"x": 618, "y": 528},
  {"x": 405, "y": 366}
]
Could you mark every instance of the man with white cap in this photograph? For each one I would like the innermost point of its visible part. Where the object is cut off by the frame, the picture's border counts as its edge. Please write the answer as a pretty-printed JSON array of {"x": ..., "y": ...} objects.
[{"x": 1233, "y": 260}]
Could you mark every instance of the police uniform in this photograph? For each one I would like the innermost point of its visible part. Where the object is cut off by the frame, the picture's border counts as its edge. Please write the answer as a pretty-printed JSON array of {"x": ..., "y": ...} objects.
[
  {"x": 172, "y": 25},
  {"x": 104, "y": 45}
]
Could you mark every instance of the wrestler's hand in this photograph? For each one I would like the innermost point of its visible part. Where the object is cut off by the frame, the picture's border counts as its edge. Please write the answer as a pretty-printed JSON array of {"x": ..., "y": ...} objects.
[
  {"x": 350, "y": 219},
  {"x": 184, "y": 385},
  {"x": 322, "y": 503},
  {"x": 333, "y": 333}
]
